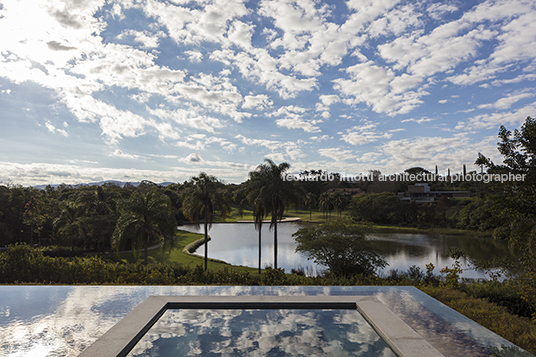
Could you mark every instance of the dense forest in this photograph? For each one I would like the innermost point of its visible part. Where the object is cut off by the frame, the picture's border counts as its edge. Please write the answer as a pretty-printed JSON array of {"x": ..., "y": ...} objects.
[{"x": 86, "y": 216}]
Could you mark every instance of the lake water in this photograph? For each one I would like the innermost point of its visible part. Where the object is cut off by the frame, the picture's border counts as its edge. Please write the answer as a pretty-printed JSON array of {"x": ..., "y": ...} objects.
[{"x": 237, "y": 244}]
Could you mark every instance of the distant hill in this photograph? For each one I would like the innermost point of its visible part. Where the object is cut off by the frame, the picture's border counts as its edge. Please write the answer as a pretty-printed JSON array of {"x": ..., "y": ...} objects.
[{"x": 100, "y": 183}]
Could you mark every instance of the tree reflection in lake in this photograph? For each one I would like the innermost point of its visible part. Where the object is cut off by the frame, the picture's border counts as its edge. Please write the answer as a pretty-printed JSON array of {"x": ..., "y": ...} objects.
[{"x": 237, "y": 243}]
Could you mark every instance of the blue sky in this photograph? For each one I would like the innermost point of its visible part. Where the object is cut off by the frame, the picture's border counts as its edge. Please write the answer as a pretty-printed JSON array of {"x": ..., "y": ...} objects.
[{"x": 162, "y": 90}]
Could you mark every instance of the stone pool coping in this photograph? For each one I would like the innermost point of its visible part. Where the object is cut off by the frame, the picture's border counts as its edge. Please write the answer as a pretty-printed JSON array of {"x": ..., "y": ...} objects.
[{"x": 123, "y": 336}]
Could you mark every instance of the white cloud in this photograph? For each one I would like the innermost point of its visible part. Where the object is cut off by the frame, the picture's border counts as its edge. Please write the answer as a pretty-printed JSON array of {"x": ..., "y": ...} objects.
[
  {"x": 270, "y": 144},
  {"x": 337, "y": 154},
  {"x": 260, "y": 67},
  {"x": 368, "y": 157},
  {"x": 194, "y": 56},
  {"x": 55, "y": 130},
  {"x": 320, "y": 138},
  {"x": 437, "y": 11},
  {"x": 371, "y": 84},
  {"x": 188, "y": 117},
  {"x": 194, "y": 25},
  {"x": 508, "y": 101},
  {"x": 147, "y": 39},
  {"x": 418, "y": 121},
  {"x": 45, "y": 173},
  {"x": 446, "y": 152},
  {"x": 258, "y": 102},
  {"x": 240, "y": 34},
  {"x": 494, "y": 120},
  {"x": 328, "y": 100},
  {"x": 293, "y": 119},
  {"x": 193, "y": 158},
  {"x": 279, "y": 151},
  {"x": 120, "y": 153},
  {"x": 297, "y": 123},
  {"x": 516, "y": 34},
  {"x": 379, "y": 57},
  {"x": 364, "y": 134},
  {"x": 113, "y": 122},
  {"x": 325, "y": 102}
]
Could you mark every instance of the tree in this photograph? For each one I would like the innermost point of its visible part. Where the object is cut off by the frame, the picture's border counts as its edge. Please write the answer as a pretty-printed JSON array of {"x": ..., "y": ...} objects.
[
  {"x": 202, "y": 199},
  {"x": 33, "y": 216},
  {"x": 259, "y": 212},
  {"x": 146, "y": 218},
  {"x": 340, "y": 246},
  {"x": 516, "y": 200},
  {"x": 274, "y": 192},
  {"x": 68, "y": 226},
  {"x": 336, "y": 199},
  {"x": 380, "y": 208},
  {"x": 324, "y": 203},
  {"x": 99, "y": 205},
  {"x": 310, "y": 201}
]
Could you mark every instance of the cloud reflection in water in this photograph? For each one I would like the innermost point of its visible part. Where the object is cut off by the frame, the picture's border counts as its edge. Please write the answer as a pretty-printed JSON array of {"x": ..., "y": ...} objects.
[{"x": 261, "y": 333}]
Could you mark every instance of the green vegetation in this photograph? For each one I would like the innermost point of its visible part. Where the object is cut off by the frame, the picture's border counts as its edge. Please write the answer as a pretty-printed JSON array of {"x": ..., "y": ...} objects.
[
  {"x": 516, "y": 329},
  {"x": 202, "y": 198},
  {"x": 72, "y": 235},
  {"x": 146, "y": 218},
  {"x": 175, "y": 255},
  {"x": 340, "y": 246},
  {"x": 271, "y": 194}
]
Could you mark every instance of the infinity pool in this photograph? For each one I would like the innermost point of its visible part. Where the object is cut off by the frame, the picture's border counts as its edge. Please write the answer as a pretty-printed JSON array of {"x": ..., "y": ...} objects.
[{"x": 65, "y": 320}]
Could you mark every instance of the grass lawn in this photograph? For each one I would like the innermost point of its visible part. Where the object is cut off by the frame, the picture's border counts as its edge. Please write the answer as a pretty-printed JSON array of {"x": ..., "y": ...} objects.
[
  {"x": 247, "y": 215},
  {"x": 316, "y": 216},
  {"x": 177, "y": 256}
]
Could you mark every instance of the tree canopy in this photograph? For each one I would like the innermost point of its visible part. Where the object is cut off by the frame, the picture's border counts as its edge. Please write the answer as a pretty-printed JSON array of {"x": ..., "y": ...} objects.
[
  {"x": 146, "y": 218},
  {"x": 271, "y": 192},
  {"x": 341, "y": 246},
  {"x": 515, "y": 201}
]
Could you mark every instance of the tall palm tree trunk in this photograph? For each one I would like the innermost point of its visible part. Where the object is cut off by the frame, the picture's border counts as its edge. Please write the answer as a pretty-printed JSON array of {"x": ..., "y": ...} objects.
[
  {"x": 146, "y": 246},
  {"x": 260, "y": 232},
  {"x": 275, "y": 244},
  {"x": 206, "y": 241}
]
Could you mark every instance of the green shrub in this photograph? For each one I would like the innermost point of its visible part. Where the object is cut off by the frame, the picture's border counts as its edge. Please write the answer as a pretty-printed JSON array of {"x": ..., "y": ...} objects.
[
  {"x": 519, "y": 330},
  {"x": 57, "y": 251},
  {"x": 505, "y": 294}
]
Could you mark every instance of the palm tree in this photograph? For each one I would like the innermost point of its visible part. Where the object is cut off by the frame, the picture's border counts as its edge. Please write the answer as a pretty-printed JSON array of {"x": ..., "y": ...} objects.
[
  {"x": 146, "y": 217},
  {"x": 324, "y": 203},
  {"x": 336, "y": 200},
  {"x": 259, "y": 209},
  {"x": 33, "y": 215},
  {"x": 274, "y": 192},
  {"x": 68, "y": 226},
  {"x": 99, "y": 204},
  {"x": 310, "y": 201},
  {"x": 202, "y": 199}
]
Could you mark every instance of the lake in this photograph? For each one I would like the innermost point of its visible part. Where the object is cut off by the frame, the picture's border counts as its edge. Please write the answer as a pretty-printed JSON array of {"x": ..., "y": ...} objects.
[{"x": 237, "y": 244}]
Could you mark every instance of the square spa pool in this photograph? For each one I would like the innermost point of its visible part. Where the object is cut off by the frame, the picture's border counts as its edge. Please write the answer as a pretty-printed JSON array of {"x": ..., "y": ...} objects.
[{"x": 237, "y": 320}]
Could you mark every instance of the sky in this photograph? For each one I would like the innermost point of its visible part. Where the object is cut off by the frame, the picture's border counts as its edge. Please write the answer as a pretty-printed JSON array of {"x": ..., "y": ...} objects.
[{"x": 133, "y": 90}]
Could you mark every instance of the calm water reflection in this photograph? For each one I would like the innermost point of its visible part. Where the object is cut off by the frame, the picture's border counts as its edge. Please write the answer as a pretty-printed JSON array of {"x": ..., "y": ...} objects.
[
  {"x": 261, "y": 333},
  {"x": 237, "y": 243},
  {"x": 53, "y": 321}
]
